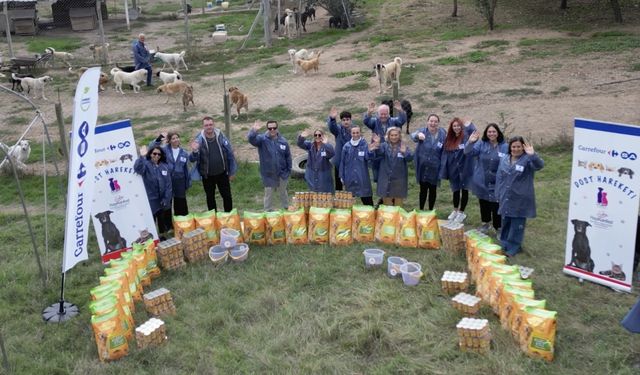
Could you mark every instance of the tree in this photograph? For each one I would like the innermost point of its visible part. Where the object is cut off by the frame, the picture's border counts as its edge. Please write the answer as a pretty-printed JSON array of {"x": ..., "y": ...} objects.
[
  {"x": 487, "y": 8},
  {"x": 338, "y": 8},
  {"x": 455, "y": 9},
  {"x": 615, "y": 6}
]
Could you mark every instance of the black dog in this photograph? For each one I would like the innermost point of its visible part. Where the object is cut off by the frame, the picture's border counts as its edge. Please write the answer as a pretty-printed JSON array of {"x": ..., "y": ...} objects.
[
  {"x": 110, "y": 233},
  {"x": 580, "y": 249},
  {"x": 311, "y": 12},
  {"x": 16, "y": 81},
  {"x": 626, "y": 171},
  {"x": 335, "y": 22},
  {"x": 406, "y": 107},
  {"x": 128, "y": 68}
]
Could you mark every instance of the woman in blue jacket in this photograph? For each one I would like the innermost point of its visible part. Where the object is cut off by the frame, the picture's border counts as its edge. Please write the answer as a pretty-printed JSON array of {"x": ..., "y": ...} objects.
[
  {"x": 486, "y": 152},
  {"x": 178, "y": 160},
  {"x": 153, "y": 168},
  {"x": 394, "y": 156},
  {"x": 430, "y": 140},
  {"x": 515, "y": 191},
  {"x": 354, "y": 167},
  {"x": 319, "y": 171},
  {"x": 456, "y": 167}
]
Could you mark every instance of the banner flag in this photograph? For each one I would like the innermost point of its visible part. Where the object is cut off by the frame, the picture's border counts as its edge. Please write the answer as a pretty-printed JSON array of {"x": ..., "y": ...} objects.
[
  {"x": 81, "y": 159},
  {"x": 121, "y": 212},
  {"x": 603, "y": 205}
]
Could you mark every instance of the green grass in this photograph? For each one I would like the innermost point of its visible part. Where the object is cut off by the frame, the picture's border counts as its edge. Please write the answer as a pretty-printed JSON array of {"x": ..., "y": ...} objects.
[
  {"x": 60, "y": 44},
  {"x": 492, "y": 43},
  {"x": 473, "y": 57}
]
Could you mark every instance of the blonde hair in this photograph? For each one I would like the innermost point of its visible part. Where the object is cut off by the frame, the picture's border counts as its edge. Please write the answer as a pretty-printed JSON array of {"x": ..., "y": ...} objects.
[{"x": 386, "y": 136}]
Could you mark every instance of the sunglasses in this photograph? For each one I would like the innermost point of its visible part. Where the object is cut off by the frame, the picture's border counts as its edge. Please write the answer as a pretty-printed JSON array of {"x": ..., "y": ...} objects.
[
  {"x": 156, "y": 153},
  {"x": 317, "y": 135},
  {"x": 272, "y": 128}
]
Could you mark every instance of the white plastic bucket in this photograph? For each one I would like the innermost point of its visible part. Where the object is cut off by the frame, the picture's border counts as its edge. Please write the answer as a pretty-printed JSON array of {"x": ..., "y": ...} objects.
[
  {"x": 373, "y": 257},
  {"x": 393, "y": 266},
  {"x": 229, "y": 237},
  {"x": 240, "y": 252},
  {"x": 411, "y": 273},
  {"x": 218, "y": 254}
]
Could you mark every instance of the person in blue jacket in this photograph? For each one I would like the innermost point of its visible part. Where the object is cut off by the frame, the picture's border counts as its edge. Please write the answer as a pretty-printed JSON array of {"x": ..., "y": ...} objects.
[
  {"x": 142, "y": 57},
  {"x": 215, "y": 164},
  {"x": 178, "y": 161},
  {"x": 319, "y": 172},
  {"x": 456, "y": 167},
  {"x": 275, "y": 162},
  {"x": 153, "y": 168},
  {"x": 515, "y": 191},
  {"x": 487, "y": 152},
  {"x": 379, "y": 122},
  {"x": 394, "y": 156},
  {"x": 354, "y": 167},
  {"x": 430, "y": 140},
  {"x": 342, "y": 133}
]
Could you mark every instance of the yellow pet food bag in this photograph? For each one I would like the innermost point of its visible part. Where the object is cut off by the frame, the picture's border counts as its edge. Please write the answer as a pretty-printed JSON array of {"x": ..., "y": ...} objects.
[
  {"x": 406, "y": 235},
  {"x": 517, "y": 300},
  {"x": 340, "y": 230},
  {"x": 538, "y": 333},
  {"x": 182, "y": 225},
  {"x": 276, "y": 234},
  {"x": 229, "y": 220},
  {"x": 363, "y": 223},
  {"x": 387, "y": 224},
  {"x": 296, "y": 227},
  {"x": 255, "y": 231},
  {"x": 319, "y": 225},
  {"x": 427, "y": 230},
  {"x": 207, "y": 221},
  {"x": 110, "y": 339}
]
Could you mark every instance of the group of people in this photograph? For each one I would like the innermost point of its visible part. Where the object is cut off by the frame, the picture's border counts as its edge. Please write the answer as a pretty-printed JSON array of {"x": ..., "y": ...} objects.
[{"x": 499, "y": 172}]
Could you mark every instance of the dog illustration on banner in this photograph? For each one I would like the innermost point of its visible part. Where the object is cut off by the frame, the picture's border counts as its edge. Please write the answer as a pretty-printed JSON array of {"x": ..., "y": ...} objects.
[
  {"x": 114, "y": 185},
  {"x": 602, "y": 197},
  {"x": 580, "y": 249},
  {"x": 110, "y": 233}
]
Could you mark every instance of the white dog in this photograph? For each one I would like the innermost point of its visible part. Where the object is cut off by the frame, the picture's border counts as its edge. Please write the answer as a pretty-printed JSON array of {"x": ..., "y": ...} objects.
[
  {"x": 169, "y": 77},
  {"x": 289, "y": 23},
  {"x": 120, "y": 77},
  {"x": 171, "y": 59},
  {"x": 302, "y": 54},
  {"x": 100, "y": 51},
  {"x": 65, "y": 57},
  {"x": 35, "y": 84},
  {"x": 387, "y": 73},
  {"x": 18, "y": 153}
]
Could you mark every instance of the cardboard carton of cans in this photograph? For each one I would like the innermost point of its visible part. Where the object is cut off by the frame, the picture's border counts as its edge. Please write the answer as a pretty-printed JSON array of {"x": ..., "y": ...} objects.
[
  {"x": 170, "y": 254},
  {"x": 159, "y": 302},
  {"x": 194, "y": 245},
  {"x": 150, "y": 333}
]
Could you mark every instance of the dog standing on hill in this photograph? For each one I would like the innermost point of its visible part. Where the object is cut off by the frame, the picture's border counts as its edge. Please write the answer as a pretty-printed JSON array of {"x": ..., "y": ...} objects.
[
  {"x": 173, "y": 89},
  {"x": 312, "y": 64},
  {"x": 18, "y": 153},
  {"x": 65, "y": 57},
  {"x": 239, "y": 99},
  {"x": 104, "y": 77},
  {"x": 35, "y": 84},
  {"x": 133, "y": 78},
  {"x": 100, "y": 52},
  {"x": 387, "y": 73},
  {"x": 187, "y": 96},
  {"x": 16, "y": 78}
]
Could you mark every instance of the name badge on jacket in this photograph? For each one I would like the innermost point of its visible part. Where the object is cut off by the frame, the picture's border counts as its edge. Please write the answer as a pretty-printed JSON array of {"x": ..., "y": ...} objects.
[
  {"x": 164, "y": 173},
  {"x": 439, "y": 144},
  {"x": 500, "y": 154},
  {"x": 400, "y": 155},
  {"x": 183, "y": 159},
  {"x": 461, "y": 146},
  {"x": 323, "y": 153},
  {"x": 519, "y": 168},
  {"x": 283, "y": 147},
  {"x": 360, "y": 153}
]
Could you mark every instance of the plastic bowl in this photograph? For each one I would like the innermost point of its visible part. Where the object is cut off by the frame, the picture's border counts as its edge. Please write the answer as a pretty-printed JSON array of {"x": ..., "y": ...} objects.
[
  {"x": 393, "y": 266},
  {"x": 218, "y": 254},
  {"x": 373, "y": 257},
  {"x": 240, "y": 252},
  {"x": 411, "y": 273},
  {"x": 229, "y": 237}
]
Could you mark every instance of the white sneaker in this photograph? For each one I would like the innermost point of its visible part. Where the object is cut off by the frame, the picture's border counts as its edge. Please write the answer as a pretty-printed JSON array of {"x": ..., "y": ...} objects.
[
  {"x": 460, "y": 217},
  {"x": 452, "y": 215},
  {"x": 485, "y": 228}
]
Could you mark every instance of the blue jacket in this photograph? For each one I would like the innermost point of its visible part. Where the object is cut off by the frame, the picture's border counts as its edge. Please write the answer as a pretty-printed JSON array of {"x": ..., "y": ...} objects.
[
  {"x": 354, "y": 168},
  {"x": 179, "y": 168},
  {"x": 379, "y": 128},
  {"x": 202, "y": 158},
  {"x": 487, "y": 159},
  {"x": 275, "y": 157},
  {"x": 455, "y": 166},
  {"x": 394, "y": 172},
  {"x": 514, "y": 186},
  {"x": 429, "y": 155},
  {"x": 343, "y": 136},
  {"x": 141, "y": 56},
  {"x": 319, "y": 172},
  {"x": 157, "y": 183}
]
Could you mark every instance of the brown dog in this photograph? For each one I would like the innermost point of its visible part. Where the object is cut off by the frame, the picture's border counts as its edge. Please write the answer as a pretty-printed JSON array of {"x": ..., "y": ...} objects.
[
  {"x": 239, "y": 99},
  {"x": 313, "y": 63},
  {"x": 173, "y": 88},
  {"x": 187, "y": 96},
  {"x": 104, "y": 78}
]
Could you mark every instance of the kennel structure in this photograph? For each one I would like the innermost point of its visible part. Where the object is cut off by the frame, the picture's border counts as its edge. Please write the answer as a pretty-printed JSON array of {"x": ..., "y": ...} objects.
[{"x": 20, "y": 17}]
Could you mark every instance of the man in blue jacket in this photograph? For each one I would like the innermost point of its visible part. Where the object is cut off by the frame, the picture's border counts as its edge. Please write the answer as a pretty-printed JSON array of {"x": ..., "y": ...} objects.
[
  {"x": 379, "y": 123},
  {"x": 342, "y": 132},
  {"x": 142, "y": 57},
  {"x": 275, "y": 162},
  {"x": 215, "y": 163}
]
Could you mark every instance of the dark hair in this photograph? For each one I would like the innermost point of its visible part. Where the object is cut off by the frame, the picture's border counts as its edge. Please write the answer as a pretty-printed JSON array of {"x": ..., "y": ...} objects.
[
  {"x": 434, "y": 115},
  {"x": 495, "y": 126},
  {"x": 345, "y": 114},
  {"x": 207, "y": 118},
  {"x": 272, "y": 122},
  {"x": 452, "y": 141},
  {"x": 163, "y": 158},
  {"x": 517, "y": 138},
  {"x": 171, "y": 134}
]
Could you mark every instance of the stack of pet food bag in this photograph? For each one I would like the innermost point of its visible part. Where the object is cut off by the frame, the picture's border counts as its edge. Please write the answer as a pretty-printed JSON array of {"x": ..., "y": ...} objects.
[{"x": 510, "y": 296}]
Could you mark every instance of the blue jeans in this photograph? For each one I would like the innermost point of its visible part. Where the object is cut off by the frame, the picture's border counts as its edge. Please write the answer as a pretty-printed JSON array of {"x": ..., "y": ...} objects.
[
  {"x": 512, "y": 234},
  {"x": 149, "y": 72}
]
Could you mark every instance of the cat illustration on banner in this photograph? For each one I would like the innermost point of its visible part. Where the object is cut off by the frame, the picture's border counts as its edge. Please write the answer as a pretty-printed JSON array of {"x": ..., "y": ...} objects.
[{"x": 615, "y": 272}]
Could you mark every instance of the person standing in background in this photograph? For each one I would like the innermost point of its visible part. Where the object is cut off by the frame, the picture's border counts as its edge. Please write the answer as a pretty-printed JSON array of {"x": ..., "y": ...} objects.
[
  {"x": 354, "y": 167},
  {"x": 318, "y": 173},
  {"x": 152, "y": 166},
  {"x": 177, "y": 160},
  {"x": 142, "y": 57},
  {"x": 430, "y": 140},
  {"x": 342, "y": 133}
]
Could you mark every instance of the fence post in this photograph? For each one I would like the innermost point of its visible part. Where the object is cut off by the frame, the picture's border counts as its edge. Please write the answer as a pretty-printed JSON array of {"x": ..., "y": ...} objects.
[
  {"x": 395, "y": 85},
  {"x": 266, "y": 13},
  {"x": 186, "y": 24},
  {"x": 227, "y": 115},
  {"x": 63, "y": 138}
]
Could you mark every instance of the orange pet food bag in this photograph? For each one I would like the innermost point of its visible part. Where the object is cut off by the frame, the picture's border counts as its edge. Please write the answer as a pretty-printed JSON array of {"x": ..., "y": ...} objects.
[
  {"x": 296, "y": 227},
  {"x": 406, "y": 235},
  {"x": 427, "y": 230},
  {"x": 538, "y": 333},
  {"x": 182, "y": 225},
  {"x": 340, "y": 230},
  {"x": 363, "y": 223},
  {"x": 110, "y": 339},
  {"x": 387, "y": 224},
  {"x": 207, "y": 221},
  {"x": 319, "y": 225},
  {"x": 276, "y": 234},
  {"x": 229, "y": 220},
  {"x": 255, "y": 231}
]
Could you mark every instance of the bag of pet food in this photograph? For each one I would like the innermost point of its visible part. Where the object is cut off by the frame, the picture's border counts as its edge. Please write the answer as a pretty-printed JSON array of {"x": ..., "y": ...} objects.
[
  {"x": 152, "y": 259},
  {"x": 207, "y": 221},
  {"x": 123, "y": 281},
  {"x": 406, "y": 235},
  {"x": 538, "y": 333},
  {"x": 255, "y": 231},
  {"x": 363, "y": 223},
  {"x": 386, "y": 224},
  {"x": 110, "y": 339},
  {"x": 110, "y": 289},
  {"x": 340, "y": 229},
  {"x": 427, "y": 230},
  {"x": 498, "y": 280},
  {"x": 182, "y": 225},
  {"x": 515, "y": 301},
  {"x": 135, "y": 289},
  {"x": 296, "y": 227},
  {"x": 108, "y": 304},
  {"x": 319, "y": 225},
  {"x": 276, "y": 234},
  {"x": 230, "y": 220}
]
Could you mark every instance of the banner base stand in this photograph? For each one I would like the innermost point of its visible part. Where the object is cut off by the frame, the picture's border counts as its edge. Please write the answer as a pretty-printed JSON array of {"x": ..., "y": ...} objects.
[{"x": 60, "y": 312}]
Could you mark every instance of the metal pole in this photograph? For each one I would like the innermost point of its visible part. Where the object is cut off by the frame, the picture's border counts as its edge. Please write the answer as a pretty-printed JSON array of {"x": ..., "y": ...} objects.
[
  {"x": 346, "y": 14},
  {"x": 266, "y": 12},
  {"x": 227, "y": 109},
  {"x": 103, "y": 56},
  {"x": 63, "y": 138},
  {"x": 279, "y": 19},
  {"x": 186, "y": 24},
  {"x": 253, "y": 25},
  {"x": 395, "y": 85},
  {"x": 8, "y": 30}
]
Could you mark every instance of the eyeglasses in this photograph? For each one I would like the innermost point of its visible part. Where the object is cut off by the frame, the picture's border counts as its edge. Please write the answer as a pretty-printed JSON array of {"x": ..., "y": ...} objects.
[
  {"x": 272, "y": 128},
  {"x": 317, "y": 135},
  {"x": 156, "y": 153}
]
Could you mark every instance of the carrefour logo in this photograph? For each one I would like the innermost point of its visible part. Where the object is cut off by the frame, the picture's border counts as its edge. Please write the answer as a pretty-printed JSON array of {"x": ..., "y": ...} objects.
[
  {"x": 81, "y": 150},
  {"x": 626, "y": 155},
  {"x": 591, "y": 149}
]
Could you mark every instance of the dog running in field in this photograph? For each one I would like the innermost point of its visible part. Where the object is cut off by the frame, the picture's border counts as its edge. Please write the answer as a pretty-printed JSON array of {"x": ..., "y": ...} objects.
[
  {"x": 18, "y": 153},
  {"x": 65, "y": 57},
  {"x": 387, "y": 73},
  {"x": 171, "y": 59},
  {"x": 239, "y": 99},
  {"x": 120, "y": 77},
  {"x": 312, "y": 64}
]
